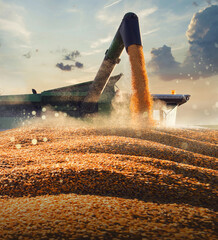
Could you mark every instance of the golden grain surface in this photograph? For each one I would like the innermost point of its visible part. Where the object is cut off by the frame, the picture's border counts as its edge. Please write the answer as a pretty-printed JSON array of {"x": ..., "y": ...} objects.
[{"x": 103, "y": 183}]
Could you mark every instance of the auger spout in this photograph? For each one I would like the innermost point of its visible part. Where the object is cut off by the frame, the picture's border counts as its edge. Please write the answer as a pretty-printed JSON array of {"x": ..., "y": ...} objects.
[{"x": 127, "y": 34}]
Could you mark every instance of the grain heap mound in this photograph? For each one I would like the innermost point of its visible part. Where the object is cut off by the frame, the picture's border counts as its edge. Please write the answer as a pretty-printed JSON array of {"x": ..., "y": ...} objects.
[{"x": 91, "y": 183}]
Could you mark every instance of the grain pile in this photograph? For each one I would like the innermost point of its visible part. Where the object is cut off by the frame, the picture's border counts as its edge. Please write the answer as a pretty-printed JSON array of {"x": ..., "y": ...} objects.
[{"x": 92, "y": 183}]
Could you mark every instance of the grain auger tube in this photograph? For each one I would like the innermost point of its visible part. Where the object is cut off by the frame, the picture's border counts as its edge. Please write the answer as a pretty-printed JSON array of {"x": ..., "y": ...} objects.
[{"x": 127, "y": 34}]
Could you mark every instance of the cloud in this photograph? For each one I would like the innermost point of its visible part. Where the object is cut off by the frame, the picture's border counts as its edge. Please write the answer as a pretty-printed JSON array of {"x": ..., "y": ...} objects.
[
  {"x": 111, "y": 15},
  {"x": 101, "y": 41},
  {"x": 202, "y": 35},
  {"x": 14, "y": 28},
  {"x": 105, "y": 17},
  {"x": 146, "y": 12},
  {"x": 79, "y": 65},
  {"x": 150, "y": 32},
  {"x": 64, "y": 67},
  {"x": 12, "y": 22},
  {"x": 92, "y": 52},
  {"x": 27, "y": 55},
  {"x": 163, "y": 63},
  {"x": 202, "y": 56},
  {"x": 209, "y": 2},
  {"x": 112, "y": 4},
  {"x": 72, "y": 10},
  {"x": 72, "y": 56},
  {"x": 170, "y": 17},
  {"x": 68, "y": 67}
]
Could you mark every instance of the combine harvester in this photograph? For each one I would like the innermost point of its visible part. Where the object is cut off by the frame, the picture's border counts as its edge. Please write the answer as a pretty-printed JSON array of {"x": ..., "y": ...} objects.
[{"x": 90, "y": 97}]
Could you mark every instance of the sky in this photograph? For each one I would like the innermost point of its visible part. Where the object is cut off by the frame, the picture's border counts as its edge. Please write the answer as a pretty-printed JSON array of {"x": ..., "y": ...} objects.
[{"x": 46, "y": 44}]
